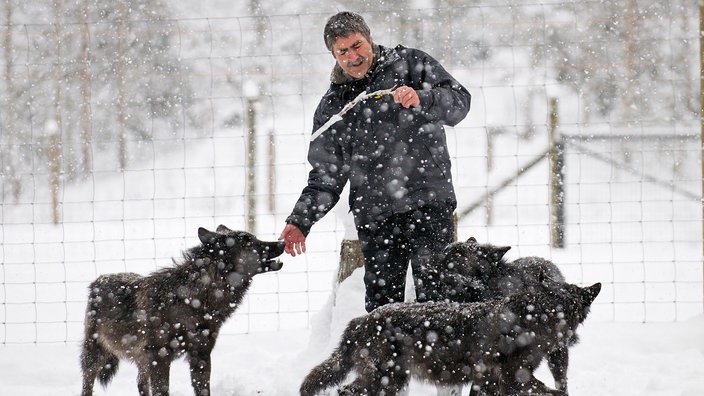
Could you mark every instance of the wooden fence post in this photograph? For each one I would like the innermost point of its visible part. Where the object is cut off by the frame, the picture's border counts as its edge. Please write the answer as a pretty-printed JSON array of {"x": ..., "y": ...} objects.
[
  {"x": 489, "y": 205},
  {"x": 54, "y": 154},
  {"x": 271, "y": 170},
  {"x": 351, "y": 258},
  {"x": 557, "y": 192},
  {"x": 251, "y": 166}
]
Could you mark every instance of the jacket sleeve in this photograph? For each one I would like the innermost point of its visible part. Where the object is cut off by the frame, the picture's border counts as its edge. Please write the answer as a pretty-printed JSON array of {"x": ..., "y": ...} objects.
[
  {"x": 326, "y": 179},
  {"x": 442, "y": 98}
]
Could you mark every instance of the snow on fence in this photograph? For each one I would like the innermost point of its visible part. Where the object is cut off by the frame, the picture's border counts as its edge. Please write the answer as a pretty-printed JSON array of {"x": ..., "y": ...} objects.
[{"x": 156, "y": 142}]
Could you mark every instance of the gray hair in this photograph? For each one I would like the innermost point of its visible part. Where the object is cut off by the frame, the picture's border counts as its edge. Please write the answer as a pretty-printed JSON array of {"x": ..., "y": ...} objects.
[{"x": 343, "y": 24}]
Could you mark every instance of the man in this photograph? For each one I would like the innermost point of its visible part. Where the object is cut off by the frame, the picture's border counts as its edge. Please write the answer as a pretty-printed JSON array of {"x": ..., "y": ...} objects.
[{"x": 393, "y": 152}]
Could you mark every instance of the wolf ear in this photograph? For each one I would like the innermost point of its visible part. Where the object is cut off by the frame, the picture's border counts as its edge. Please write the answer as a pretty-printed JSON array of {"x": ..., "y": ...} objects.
[
  {"x": 590, "y": 293},
  {"x": 472, "y": 244},
  {"x": 206, "y": 237},
  {"x": 223, "y": 229},
  {"x": 499, "y": 252}
]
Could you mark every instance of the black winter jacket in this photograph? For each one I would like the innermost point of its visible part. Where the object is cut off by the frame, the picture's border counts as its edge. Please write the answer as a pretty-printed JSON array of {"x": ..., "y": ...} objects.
[{"x": 395, "y": 159}]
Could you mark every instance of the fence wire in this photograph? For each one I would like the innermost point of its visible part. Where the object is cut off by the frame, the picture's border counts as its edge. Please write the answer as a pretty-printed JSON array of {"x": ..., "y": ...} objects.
[{"x": 153, "y": 145}]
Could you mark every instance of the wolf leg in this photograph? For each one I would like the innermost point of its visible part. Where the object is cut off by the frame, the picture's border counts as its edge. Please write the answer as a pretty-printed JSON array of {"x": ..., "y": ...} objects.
[
  {"x": 98, "y": 363},
  {"x": 143, "y": 382},
  {"x": 533, "y": 386},
  {"x": 371, "y": 382},
  {"x": 200, "y": 374},
  {"x": 486, "y": 387},
  {"x": 558, "y": 360},
  {"x": 159, "y": 377},
  {"x": 395, "y": 384},
  {"x": 367, "y": 383}
]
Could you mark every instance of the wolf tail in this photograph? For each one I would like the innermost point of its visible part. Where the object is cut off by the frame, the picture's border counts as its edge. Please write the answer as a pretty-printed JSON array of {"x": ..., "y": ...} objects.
[
  {"x": 96, "y": 361},
  {"x": 108, "y": 371},
  {"x": 333, "y": 370}
]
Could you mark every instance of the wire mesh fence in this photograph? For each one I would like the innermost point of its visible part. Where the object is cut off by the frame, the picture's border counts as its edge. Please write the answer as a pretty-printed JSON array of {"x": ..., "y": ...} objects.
[{"x": 153, "y": 117}]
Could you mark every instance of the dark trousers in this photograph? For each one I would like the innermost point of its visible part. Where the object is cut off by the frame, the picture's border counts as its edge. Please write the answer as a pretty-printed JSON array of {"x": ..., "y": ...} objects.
[{"x": 390, "y": 244}]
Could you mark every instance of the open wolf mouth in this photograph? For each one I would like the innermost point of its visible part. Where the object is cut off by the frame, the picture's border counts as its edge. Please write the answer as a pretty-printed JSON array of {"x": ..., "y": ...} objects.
[{"x": 272, "y": 265}]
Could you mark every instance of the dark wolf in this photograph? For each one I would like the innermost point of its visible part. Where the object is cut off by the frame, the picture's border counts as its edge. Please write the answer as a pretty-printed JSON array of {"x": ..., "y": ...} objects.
[
  {"x": 473, "y": 272},
  {"x": 177, "y": 311},
  {"x": 495, "y": 344},
  {"x": 470, "y": 272}
]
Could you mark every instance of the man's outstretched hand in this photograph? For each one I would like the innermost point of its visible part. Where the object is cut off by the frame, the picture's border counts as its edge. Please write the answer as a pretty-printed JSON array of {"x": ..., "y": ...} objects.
[{"x": 294, "y": 239}]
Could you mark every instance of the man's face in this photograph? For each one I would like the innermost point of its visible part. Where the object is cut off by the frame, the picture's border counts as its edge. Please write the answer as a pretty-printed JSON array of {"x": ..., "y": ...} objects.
[{"x": 354, "y": 54}]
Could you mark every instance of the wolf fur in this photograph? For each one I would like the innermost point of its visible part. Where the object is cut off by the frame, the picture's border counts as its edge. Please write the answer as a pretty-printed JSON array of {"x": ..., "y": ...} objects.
[
  {"x": 472, "y": 272},
  {"x": 152, "y": 320},
  {"x": 469, "y": 272},
  {"x": 495, "y": 344}
]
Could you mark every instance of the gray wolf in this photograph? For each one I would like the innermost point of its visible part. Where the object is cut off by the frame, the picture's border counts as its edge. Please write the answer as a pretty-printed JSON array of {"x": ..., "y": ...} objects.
[
  {"x": 470, "y": 272},
  {"x": 176, "y": 311},
  {"x": 495, "y": 344}
]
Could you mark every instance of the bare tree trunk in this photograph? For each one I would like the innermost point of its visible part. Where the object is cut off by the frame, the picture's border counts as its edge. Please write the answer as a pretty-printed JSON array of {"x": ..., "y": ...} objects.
[
  {"x": 9, "y": 165},
  {"x": 701, "y": 96},
  {"x": 631, "y": 72},
  {"x": 121, "y": 111},
  {"x": 54, "y": 129},
  {"x": 86, "y": 133},
  {"x": 252, "y": 94}
]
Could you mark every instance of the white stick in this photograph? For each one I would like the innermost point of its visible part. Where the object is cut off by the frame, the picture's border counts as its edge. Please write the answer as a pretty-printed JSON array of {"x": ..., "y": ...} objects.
[{"x": 337, "y": 117}]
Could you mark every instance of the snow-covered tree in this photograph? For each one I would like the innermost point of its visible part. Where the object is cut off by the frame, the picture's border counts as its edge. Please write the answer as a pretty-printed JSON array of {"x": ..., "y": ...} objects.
[{"x": 100, "y": 71}]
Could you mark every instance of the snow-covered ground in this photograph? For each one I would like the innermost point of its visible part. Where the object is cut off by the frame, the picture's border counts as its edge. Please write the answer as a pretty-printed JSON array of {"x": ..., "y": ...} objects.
[
  {"x": 613, "y": 359},
  {"x": 642, "y": 240}
]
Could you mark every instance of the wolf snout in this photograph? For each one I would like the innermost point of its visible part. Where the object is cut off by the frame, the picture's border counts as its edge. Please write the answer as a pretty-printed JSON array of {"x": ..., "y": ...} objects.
[
  {"x": 274, "y": 249},
  {"x": 271, "y": 251},
  {"x": 273, "y": 265}
]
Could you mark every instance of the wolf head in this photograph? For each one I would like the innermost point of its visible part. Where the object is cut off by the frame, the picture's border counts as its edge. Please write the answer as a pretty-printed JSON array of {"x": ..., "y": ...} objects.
[
  {"x": 464, "y": 270},
  {"x": 568, "y": 302},
  {"x": 472, "y": 259},
  {"x": 587, "y": 295},
  {"x": 240, "y": 251}
]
